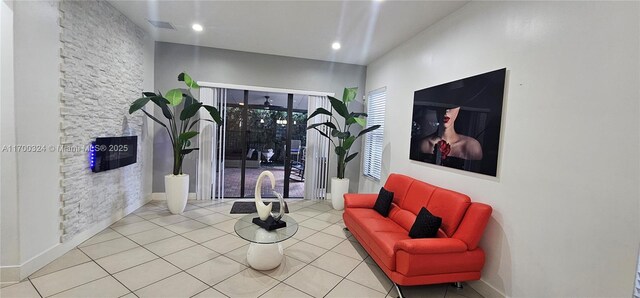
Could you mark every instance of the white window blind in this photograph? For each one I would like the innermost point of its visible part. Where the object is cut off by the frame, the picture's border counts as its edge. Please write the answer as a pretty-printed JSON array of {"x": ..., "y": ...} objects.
[{"x": 372, "y": 164}]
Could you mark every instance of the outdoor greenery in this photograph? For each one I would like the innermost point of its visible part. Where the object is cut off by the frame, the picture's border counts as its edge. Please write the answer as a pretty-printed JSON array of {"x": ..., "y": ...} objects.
[
  {"x": 341, "y": 130},
  {"x": 263, "y": 131},
  {"x": 179, "y": 129}
]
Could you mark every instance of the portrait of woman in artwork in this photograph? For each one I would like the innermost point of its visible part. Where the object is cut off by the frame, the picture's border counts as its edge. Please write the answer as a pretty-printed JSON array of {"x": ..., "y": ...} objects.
[{"x": 457, "y": 124}]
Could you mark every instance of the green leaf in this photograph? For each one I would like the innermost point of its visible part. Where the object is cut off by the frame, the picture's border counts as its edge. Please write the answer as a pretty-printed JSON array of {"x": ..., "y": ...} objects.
[
  {"x": 339, "y": 134},
  {"x": 348, "y": 142},
  {"x": 188, "y": 150},
  {"x": 339, "y": 106},
  {"x": 368, "y": 129},
  {"x": 184, "y": 77},
  {"x": 214, "y": 114},
  {"x": 187, "y": 135},
  {"x": 350, "y": 157},
  {"x": 328, "y": 124},
  {"x": 148, "y": 94},
  {"x": 319, "y": 111},
  {"x": 188, "y": 99},
  {"x": 174, "y": 96},
  {"x": 324, "y": 134},
  {"x": 349, "y": 95},
  {"x": 361, "y": 121},
  {"x": 354, "y": 114},
  {"x": 138, "y": 104},
  {"x": 194, "y": 122},
  {"x": 163, "y": 104},
  {"x": 154, "y": 118},
  {"x": 190, "y": 111},
  {"x": 340, "y": 151}
]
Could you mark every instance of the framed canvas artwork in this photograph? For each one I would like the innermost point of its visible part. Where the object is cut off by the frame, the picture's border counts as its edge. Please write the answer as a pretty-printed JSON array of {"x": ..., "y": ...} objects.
[{"x": 457, "y": 124}]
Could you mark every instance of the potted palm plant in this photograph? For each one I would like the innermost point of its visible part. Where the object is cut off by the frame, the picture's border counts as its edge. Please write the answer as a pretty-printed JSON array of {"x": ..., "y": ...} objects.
[
  {"x": 179, "y": 127},
  {"x": 340, "y": 136}
]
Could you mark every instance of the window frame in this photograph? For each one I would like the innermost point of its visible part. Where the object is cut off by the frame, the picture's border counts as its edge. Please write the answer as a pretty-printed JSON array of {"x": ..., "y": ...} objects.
[{"x": 377, "y": 97}]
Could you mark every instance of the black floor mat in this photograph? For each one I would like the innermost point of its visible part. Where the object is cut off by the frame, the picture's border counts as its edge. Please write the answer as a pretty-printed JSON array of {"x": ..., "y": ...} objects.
[{"x": 250, "y": 207}]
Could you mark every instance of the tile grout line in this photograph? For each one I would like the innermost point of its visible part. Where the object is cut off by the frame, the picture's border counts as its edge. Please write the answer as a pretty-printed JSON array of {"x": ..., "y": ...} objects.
[
  {"x": 345, "y": 277},
  {"x": 94, "y": 261},
  {"x": 162, "y": 258},
  {"x": 196, "y": 244},
  {"x": 279, "y": 282},
  {"x": 91, "y": 261},
  {"x": 309, "y": 264},
  {"x": 34, "y": 287}
]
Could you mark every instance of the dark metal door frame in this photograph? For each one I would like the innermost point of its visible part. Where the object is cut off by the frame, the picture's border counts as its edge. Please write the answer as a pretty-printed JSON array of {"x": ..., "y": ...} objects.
[
  {"x": 287, "y": 153},
  {"x": 243, "y": 141}
]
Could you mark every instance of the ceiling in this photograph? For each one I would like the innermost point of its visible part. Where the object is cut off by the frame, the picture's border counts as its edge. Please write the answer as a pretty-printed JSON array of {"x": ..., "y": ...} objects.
[{"x": 304, "y": 29}]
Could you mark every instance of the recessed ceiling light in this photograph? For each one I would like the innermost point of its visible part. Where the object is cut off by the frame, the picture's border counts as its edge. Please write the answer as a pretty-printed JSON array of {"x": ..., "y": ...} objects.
[
  {"x": 197, "y": 27},
  {"x": 336, "y": 45}
]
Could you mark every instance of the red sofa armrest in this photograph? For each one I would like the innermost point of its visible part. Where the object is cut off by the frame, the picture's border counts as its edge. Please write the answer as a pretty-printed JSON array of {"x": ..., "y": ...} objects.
[
  {"x": 430, "y": 245},
  {"x": 359, "y": 200}
]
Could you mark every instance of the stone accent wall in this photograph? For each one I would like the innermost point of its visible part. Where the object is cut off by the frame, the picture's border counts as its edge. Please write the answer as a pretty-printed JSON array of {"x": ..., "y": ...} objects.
[{"x": 102, "y": 73}]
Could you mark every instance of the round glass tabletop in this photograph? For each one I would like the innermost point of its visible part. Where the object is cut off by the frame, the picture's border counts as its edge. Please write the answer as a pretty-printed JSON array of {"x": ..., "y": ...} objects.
[{"x": 249, "y": 231}]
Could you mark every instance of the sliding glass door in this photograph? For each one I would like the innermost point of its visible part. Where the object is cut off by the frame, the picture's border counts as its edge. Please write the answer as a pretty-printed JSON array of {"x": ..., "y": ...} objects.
[{"x": 265, "y": 132}]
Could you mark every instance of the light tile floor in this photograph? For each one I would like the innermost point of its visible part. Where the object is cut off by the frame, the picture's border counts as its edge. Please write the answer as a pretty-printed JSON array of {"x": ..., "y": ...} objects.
[{"x": 152, "y": 253}]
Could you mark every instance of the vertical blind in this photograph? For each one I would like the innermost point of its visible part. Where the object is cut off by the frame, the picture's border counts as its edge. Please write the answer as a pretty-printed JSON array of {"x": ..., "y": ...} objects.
[
  {"x": 376, "y": 101},
  {"x": 317, "y": 152}
]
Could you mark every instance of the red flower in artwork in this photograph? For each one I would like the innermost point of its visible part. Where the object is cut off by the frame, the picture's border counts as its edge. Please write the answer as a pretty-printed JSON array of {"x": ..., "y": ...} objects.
[{"x": 444, "y": 148}]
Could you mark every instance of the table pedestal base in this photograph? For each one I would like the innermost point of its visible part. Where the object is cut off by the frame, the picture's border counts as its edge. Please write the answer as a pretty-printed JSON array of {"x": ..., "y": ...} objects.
[{"x": 264, "y": 256}]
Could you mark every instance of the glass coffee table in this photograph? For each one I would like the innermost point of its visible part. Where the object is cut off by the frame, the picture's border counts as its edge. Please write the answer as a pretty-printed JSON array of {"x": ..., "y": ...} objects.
[{"x": 265, "y": 250}]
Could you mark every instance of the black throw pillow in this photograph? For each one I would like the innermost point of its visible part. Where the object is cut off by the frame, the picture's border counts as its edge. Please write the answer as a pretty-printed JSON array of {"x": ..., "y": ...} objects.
[
  {"x": 426, "y": 225},
  {"x": 383, "y": 203}
]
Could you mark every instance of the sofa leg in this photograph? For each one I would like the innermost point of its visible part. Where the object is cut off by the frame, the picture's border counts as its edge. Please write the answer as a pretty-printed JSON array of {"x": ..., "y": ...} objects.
[
  {"x": 458, "y": 285},
  {"x": 398, "y": 290},
  {"x": 346, "y": 229}
]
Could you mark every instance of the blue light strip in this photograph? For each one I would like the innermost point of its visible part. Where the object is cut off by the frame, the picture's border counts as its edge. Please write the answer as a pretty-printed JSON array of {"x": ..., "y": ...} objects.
[{"x": 92, "y": 156}]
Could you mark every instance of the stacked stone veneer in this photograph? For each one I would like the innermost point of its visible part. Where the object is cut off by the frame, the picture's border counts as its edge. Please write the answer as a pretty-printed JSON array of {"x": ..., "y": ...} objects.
[{"x": 102, "y": 73}]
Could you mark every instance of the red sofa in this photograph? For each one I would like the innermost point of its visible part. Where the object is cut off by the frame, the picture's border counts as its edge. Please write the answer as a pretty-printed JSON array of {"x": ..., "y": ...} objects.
[{"x": 454, "y": 256}]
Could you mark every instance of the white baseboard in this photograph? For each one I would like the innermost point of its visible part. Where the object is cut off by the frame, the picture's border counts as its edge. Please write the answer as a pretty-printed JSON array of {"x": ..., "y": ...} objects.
[
  {"x": 11, "y": 274},
  {"x": 160, "y": 196},
  {"x": 485, "y": 289}
]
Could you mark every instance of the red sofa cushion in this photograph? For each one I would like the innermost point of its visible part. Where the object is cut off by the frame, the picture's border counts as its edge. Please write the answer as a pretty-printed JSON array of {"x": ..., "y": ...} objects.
[
  {"x": 379, "y": 233},
  {"x": 398, "y": 184},
  {"x": 402, "y": 217},
  {"x": 450, "y": 206},
  {"x": 418, "y": 196}
]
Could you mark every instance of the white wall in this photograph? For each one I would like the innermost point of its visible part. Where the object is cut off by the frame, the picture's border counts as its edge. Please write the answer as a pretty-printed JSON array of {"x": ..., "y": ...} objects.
[
  {"x": 242, "y": 68},
  {"x": 31, "y": 191},
  {"x": 566, "y": 216},
  {"x": 9, "y": 241},
  {"x": 37, "y": 91}
]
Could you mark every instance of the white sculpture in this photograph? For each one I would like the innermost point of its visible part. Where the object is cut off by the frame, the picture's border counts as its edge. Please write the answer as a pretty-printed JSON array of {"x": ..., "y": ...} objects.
[
  {"x": 264, "y": 209},
  {"x": 278, "y": 216}
]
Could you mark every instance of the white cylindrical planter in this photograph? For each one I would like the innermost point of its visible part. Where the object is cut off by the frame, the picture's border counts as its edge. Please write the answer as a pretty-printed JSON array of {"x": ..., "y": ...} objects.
[
  {"x": 339, "y": 187},
  {"x": 177, "y": 190}
]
